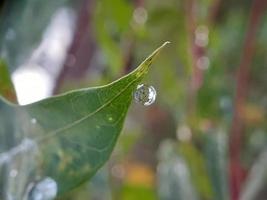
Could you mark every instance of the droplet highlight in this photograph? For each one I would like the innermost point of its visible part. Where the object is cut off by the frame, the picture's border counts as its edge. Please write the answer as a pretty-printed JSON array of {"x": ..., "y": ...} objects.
[
  {"x": 145, "y": 95},
  {"x": 46, "y": 189},
  {"x": 109, "y": 118},
  {"x": 33, "y": 121}
]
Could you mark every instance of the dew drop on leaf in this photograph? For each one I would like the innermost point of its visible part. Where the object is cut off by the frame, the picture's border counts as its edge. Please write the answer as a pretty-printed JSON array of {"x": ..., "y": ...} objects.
[
  {"x": 110, "y": 119},
  {"x": 46, "y": 189},
  {"x": 145, "y": 95}
]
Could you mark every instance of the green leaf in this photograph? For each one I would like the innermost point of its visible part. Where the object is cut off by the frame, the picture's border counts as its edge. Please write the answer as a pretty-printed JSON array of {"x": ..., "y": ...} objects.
[
  {"x": 67, "y": 137},
  {"x": 6, "y": 87}
]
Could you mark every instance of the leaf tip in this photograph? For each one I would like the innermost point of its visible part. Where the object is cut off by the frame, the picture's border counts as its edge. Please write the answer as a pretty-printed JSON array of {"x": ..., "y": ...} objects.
[
  {"x": 161, "y": 47},
  {"x": 144, "y": 66},
  {"x": 165, "y": 43}
]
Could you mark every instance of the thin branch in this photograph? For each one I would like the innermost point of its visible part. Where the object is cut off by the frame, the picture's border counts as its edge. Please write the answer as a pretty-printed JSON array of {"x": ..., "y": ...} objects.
[
  {"x": 195, "y": 51},
  {"x": 237, "y": 129},
  {"x": 82, "y": 48},
  {"x": 214, "y": 11}
]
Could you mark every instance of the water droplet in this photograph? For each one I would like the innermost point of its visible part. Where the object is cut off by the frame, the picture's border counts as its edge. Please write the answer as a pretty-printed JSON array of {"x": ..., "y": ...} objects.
[
  {"x": 184, "y": 133},
  {"x": 13, "y": 173},
  {"x": 46, "y": 189},
  {"x": 109, "y": 118},
  {"x": 144, "y": 94},
  {"x": 33, "y": 121},
  {"x": 202, "y": 36},
  {"x": 203, "y": 63},
  {"x": 140, "y": 15}
]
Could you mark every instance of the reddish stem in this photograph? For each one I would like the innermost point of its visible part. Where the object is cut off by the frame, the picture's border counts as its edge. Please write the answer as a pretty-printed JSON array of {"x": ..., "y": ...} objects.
[
  {"x": 130, "y": 43},
  {"x": 237, "y": 129},
  {"x": 196, "y": 53},
  {"x": 214, "y": 11},
  {"x": 81, "y": 49}
]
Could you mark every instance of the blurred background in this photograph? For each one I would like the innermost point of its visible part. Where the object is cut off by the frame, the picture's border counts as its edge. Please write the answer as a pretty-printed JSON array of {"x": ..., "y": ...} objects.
[{"x": 205, "y": 137}]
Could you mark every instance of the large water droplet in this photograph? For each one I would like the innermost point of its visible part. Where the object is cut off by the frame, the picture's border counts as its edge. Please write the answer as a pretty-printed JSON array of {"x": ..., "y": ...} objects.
[
  {"x": 144, "y": 94},
  {"x": 46, "y": 189}
]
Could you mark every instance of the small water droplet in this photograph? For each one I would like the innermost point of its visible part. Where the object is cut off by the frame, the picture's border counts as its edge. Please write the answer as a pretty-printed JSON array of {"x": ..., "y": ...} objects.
[
  {"x": 203, "y": 63},
  {"x": 33, "y": 121},
  {"x": 202, "y": 36},
  {"x": 109, "y": 118},
  {"x": 140, "y": 15},
  {"x": 145, "y": 95},
  {"x": 46, "y": 189},
  {"x": 184, "y": 133},
  {"x": 13, "y": 173}
]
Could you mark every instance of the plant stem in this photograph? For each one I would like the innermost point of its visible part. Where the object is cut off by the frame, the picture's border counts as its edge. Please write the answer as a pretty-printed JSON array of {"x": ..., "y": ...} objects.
[
  {"x": 237, "y": 129},
  {"x": 81, "y": 49},
  {"x": 196, "y": 52}
]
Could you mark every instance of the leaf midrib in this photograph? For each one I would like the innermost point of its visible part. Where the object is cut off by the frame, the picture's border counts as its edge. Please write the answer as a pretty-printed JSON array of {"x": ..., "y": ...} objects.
[{"x": 61, "y": 129}]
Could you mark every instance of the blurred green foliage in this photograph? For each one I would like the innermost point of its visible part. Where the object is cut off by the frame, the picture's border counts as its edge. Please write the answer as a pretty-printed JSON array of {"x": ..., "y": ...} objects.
[{"x": 196, "y": 83}]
